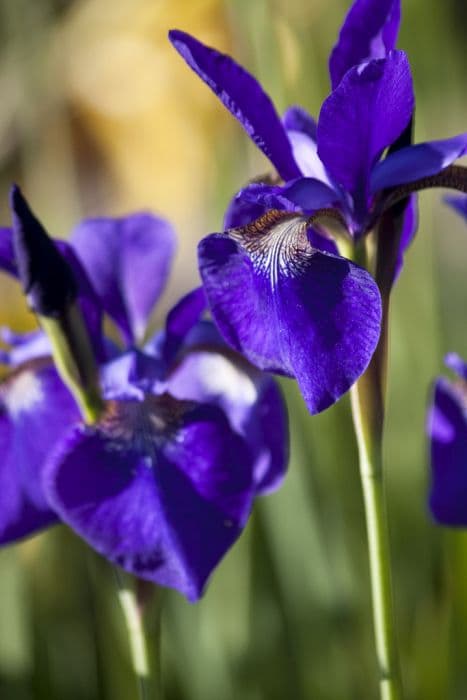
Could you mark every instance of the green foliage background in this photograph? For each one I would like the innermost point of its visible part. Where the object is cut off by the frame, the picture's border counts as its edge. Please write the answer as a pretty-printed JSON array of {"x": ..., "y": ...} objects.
[{"x": 287, "y": 614}]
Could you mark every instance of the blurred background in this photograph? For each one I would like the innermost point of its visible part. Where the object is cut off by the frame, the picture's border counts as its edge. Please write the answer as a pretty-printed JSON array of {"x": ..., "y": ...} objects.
[{"x": 98, "y": 115}]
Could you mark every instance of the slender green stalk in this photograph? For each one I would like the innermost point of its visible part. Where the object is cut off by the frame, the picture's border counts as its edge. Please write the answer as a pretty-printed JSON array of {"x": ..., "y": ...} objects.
[
  {"x": 148, "y": 675},
  {"x": 379, "y": 254},
  {"x": 368, "y": 399},
  {"x": 378, "y": 547}
]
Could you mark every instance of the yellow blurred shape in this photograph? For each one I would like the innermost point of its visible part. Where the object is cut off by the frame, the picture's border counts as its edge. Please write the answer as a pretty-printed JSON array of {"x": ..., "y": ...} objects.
[{"x": 149, "y": 116}]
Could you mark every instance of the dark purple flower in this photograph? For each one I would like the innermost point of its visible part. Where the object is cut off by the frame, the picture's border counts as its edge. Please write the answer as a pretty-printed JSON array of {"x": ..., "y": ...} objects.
[
  {"x": 277, "y": 288},
  {"x": 335, "y": 163},
  {"x": 163, "y": 483},
  {"x": 447, "y": 432}
]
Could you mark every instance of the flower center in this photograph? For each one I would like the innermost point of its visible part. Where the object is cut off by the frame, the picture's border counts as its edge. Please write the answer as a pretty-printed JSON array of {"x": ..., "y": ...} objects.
[
  {"x": 277, "y": 243},
  {"x": 141, "y": 426}
]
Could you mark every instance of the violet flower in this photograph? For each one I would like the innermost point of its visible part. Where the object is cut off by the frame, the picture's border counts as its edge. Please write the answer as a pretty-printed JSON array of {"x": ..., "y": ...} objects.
[
  {"x": 163, "y": 483},
  {"x": 277, "y": 288},
  {"x": 447, "y": 433}
]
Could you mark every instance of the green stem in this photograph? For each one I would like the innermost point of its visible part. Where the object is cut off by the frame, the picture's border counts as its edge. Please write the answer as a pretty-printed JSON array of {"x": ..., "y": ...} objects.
[
  {"x": 368, "y": 399},
  {"x": 378, "y": 548},
  {"x": 148, "y": 675}
]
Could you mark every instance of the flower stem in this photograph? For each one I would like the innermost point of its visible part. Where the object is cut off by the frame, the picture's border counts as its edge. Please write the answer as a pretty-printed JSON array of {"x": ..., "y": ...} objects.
[
  {"x": 148, "y": 675},
  {"x": 367, "y": 397}
]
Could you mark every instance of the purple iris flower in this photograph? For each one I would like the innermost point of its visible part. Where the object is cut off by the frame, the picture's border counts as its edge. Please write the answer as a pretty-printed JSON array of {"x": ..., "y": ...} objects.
[
  {"x": 447, "y": 432},
  {"x": 163, "y": 483},
  {"x": 278, "y": 289}
]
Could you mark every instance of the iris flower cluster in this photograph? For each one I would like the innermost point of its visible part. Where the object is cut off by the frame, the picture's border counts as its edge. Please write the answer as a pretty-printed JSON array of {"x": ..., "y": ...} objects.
[
  {"x": 277, "y": 286},
  {"x": 188, "y": 433}
]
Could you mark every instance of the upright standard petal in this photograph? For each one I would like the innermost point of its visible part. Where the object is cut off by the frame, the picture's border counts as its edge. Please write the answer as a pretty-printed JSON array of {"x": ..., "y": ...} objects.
[
  {"x": 181, "y": 319},
  {"x": 161, "y": 488},
  {"x": 369, "y": 31},
  {"x": 243, "y": 96},
  {"x": 36, "y": 410},
  {"x": 415, "y": 162},
  {"x": 447, "y": 431},
  {"x": 366, "y": 113},
  {"x": 290, "y": 308},
  {"x": 128, "y": 261}
]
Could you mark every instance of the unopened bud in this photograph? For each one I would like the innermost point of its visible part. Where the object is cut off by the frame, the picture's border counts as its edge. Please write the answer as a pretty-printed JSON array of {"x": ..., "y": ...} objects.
[{"x": 46, "y": 277}]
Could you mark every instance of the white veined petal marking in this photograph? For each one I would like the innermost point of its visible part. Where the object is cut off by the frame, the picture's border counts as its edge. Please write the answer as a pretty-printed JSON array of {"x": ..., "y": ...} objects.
[{"x": 277, "y": 244}]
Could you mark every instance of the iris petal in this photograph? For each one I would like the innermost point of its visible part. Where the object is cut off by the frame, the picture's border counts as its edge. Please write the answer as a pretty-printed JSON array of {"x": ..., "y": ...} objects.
[
  {"x": 250, "y": 399},
  {"x": 24, "y": 347},
  {"x": 447, "y": 430},
  {"x": 369, "y": 31},
  {"x": 310, "y": 194},
  {"x": 366, "y": 113},
  {"x": 35, "y": 412},
  {"x": 305, "y": 152},
  {"x": 415, "y": 162},
  {"x": 7, "y": 254},
  {"x": 160, "y": 487},
  {"x": 297, "y": 119},
  {"x": 181, "y": 319},
  {"x": 128, "y": 261},
  {"x": 301, "y": 130},
  {"x": 253, "y": 201},
  {"x": 130, "y": 375},
  {"x": 290, "y": 308},
  {"x": 243, "y": 96}
]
